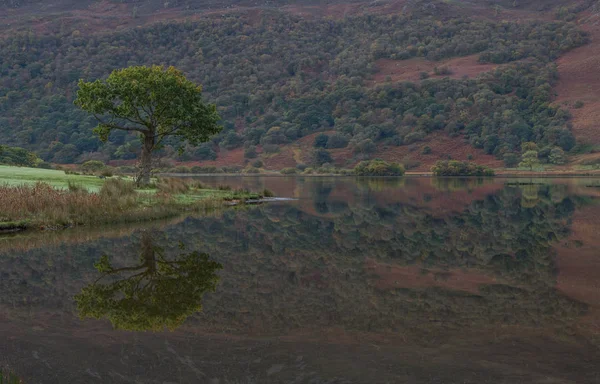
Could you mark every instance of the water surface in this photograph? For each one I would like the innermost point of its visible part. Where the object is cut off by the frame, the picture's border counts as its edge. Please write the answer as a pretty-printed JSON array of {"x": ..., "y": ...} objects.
[{"x": 412, "y": 280}]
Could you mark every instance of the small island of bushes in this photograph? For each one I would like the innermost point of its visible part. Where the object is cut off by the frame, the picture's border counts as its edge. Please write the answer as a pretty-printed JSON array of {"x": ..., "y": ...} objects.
[
  {"x": 460, "y": 168},
  {"x": 378, "y": 167}
]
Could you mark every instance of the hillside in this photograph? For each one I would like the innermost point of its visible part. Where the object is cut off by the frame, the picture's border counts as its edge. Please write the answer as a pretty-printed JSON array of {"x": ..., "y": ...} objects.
[{"x": 467, "y": 80}]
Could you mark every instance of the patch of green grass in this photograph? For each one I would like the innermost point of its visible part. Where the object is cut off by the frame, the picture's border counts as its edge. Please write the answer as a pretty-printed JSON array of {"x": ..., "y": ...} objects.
[{"x": 21, "y": 175}]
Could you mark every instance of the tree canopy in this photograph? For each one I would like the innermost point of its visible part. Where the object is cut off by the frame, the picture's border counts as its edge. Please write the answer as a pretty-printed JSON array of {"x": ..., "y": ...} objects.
[{"x": 152, "y": 101}]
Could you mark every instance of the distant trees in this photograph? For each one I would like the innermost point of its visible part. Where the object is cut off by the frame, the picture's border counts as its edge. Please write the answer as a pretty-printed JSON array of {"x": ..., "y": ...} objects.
[
  {"x": 529, "y": 160},
  {"x": 378, "y": 168},
  {"x": 460, "y": 168},
  {"x": 313, "y": 77}
]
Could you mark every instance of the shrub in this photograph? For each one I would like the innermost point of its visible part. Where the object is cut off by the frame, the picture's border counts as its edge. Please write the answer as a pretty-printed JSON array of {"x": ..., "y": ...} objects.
[
  {"x": 267, "y": 193},
  {"x": 578, "y": 104},
  {"x": 288, "y": 171},
  {"x": 257, "y": 164},
  {"x": 92, "y": 166},
  {"x": 378, "y": 168},
  {"x": 445, "y": 70},
  {"x": 250, "y": 152},
  {"x": 365, "y": 147},
  {"x": 270, "y": 148},
  {"x": 337, "y": 141},
  {"x": 426, "y": 150},
  {"x": 460, "y": 168},
  {"x": 321, "y": 141},
  {"x": 413, "y": 137},
  {"x": 301, "y": 167},
  {"x": 107, "y": 172},
  {"x": 423, "y": 75},
  {"x": 557, "y": 156},
  {"x": 321, "y": 156},
  {"x": 511, "y": 160},
  {"x": 250, "y": 170}
]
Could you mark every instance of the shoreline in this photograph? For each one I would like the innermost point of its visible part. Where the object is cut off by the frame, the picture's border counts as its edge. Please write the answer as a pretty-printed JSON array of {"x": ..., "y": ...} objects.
[{"x": 407, "y": 174}]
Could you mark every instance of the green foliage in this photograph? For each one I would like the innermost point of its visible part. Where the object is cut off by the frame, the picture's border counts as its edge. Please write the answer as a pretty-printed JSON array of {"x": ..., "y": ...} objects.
[
  {"x": 321, "y": 156},
  {"x": 92, "y": 166},
  {"x": 321, "y": 141},
  {"x": 578, "y": 104},
  {"x": 288, "y": 171},
  {"x": 426, "y": 150},
  {"x": 557, "y": 156},
  {"x": 314, "y": 76},
  {"x": 250, "y": 152},
  {"x": 460, "y": 168},
  {"x": 378, "y": 168},
  {"x": 511, "y": 160},
  {"x": 154, "y": 294},
  {"x": 152, "y": 101},
  {"x": 337, "y": 140},
  {"x": 529, "y": 160},
  {"x": 18, "y": 156}
]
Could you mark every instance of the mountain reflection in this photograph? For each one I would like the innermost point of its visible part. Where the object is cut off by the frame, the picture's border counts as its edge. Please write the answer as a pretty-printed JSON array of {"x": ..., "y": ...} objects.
[{"x": 155, "y": 293}]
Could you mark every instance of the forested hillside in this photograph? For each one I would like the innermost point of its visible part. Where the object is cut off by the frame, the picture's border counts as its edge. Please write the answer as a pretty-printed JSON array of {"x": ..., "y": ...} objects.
[{"x": 277, "y": 77}]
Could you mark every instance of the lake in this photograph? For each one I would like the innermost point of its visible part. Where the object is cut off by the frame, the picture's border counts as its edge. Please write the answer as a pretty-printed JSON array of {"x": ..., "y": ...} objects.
[{"x": 372, "y": 280}]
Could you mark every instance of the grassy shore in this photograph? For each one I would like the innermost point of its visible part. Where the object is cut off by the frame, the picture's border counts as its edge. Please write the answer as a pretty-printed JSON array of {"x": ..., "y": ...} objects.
[{"x": 47, "y": 199}]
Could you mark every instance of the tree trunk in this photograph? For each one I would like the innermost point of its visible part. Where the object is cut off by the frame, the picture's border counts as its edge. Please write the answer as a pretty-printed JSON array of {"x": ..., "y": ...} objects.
[{"x": 146, "y": 161}]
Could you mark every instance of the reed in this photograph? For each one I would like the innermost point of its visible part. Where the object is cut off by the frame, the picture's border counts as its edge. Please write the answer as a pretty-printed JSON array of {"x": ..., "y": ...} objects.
[{"x": 42, "y": 206}]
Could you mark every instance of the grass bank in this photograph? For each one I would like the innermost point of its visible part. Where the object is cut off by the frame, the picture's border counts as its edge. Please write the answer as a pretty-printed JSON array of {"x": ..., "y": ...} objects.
[{"x": 45, "y": 199}]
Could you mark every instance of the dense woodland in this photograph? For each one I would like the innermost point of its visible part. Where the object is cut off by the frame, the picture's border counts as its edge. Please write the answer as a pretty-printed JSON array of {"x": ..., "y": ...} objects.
[{"x": 277, "y": 78}]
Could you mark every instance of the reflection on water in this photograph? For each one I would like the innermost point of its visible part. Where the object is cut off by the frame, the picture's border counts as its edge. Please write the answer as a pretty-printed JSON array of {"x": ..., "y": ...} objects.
[
  {"x": 154, "y": 293},
  {"x": 358, "y": 281}
]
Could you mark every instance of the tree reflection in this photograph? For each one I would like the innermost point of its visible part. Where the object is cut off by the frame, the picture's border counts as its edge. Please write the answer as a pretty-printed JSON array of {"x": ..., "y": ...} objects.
[{"x": 153, "y": 294}]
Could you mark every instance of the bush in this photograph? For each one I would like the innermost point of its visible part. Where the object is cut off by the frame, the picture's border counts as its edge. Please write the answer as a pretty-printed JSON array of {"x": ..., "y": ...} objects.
[
  {"x": 107, "y": 172},
  {"x": 250, "y": 152},
  {"x": 460, "y": 168},
  {"x": 251, "y": 170},
  {"x": 288, "y": 171},
  {"x": 92, "y": 166},
  {"x": 578, "y": 104},
  {"x": 337, "y": 141},
  {"x": 378, "y": 168},
  {"x": 270, "y": 148},
  {"x": 413, "y": 137},
  {"x": 511, "y": 160},
  {"x": 321, "y": 156},
  {"x": 257, "y": 164},
  {"x": 321, "y": 141},
  {"x": 557, "y": 156},
  {"x": 426, "y": 150},
  {"x": 365, "y": 147},
  {"x": 267, "y": 193}
]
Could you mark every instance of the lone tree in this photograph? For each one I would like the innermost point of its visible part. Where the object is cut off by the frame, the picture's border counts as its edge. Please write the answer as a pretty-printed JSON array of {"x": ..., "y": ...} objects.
[{"x": 153, "y": 101}]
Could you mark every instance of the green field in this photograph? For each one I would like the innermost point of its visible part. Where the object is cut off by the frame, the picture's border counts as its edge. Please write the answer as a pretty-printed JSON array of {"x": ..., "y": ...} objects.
[{"x": 21, "y": 175}]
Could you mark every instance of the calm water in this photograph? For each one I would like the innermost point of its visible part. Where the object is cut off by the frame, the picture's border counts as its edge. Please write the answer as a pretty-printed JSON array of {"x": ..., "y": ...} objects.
[{"x": 357, "y": 281}]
